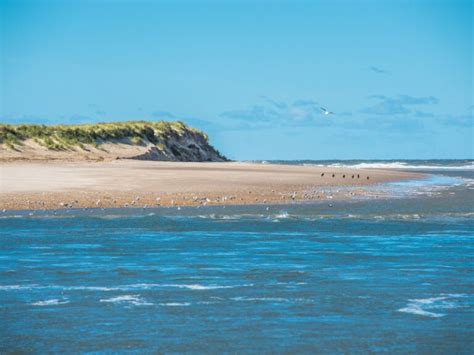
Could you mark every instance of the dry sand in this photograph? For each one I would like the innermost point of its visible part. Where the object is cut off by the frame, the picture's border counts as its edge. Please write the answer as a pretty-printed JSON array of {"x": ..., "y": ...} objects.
[{"x": 129, "y": 183}]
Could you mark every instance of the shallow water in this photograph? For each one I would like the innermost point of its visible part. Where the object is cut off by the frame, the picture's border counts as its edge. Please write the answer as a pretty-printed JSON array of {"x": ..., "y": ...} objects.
[{"x": 391, "y": 274}]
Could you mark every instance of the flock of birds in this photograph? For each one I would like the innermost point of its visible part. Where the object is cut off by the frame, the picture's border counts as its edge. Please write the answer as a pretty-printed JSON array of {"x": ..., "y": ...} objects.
[{"x": 344, "y": 176}]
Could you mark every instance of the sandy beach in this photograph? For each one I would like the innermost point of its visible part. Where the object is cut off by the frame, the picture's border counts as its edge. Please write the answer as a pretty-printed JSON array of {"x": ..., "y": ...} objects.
[{"x": 128, "y": 183}]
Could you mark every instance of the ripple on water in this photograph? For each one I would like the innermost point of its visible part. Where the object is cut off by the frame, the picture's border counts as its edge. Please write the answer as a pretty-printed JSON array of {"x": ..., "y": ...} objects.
[
  {"x": 52, "y": 302},
  {"x": 134, "y": 300},
  {"x": 426, "y": 307}
]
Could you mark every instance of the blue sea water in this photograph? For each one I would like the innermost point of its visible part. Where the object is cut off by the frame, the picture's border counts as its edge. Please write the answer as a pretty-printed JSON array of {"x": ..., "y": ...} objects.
[{"x": 389, "y": 274}]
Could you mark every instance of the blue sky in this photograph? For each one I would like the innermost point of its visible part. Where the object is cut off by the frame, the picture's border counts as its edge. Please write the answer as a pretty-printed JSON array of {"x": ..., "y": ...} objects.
[{"x": 253, "y": 74}]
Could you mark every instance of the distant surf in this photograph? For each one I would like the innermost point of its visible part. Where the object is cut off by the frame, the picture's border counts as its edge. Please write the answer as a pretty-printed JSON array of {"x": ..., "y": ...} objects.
[{"x": 436, "y": 164}]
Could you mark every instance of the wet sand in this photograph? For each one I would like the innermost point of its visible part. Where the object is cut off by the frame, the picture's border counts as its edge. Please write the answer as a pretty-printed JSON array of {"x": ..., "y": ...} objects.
[{"x": 129, "y": 183}]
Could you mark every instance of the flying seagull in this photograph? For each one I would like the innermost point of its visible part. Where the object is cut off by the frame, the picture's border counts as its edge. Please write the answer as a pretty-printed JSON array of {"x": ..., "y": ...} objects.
[{"x": 326, "y": 112}]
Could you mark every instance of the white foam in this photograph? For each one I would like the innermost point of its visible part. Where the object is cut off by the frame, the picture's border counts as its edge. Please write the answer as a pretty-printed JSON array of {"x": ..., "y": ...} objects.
[
  {"x": 425, "y": 306},
  {"x": 265, "y": 299},
  {"x": 414, "y": 309},
  {"x": 396, "y": 165},
  {"x": 175, "y": 304},
  {"x": 135, "y": 300},
  {"x": 52, "y": 302},
  {"x": 16, "y": 287},
  {"x": 89, "y": 288},
  {"x": 119, "y": 288},
  {"x": 201, "y": 287},
  {"x": 282, "y": 214},
  {"x": 431, "y": 185}
]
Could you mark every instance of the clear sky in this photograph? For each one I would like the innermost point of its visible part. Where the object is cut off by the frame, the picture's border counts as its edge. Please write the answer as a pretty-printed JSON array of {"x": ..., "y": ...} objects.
[{"x": 253, "y": 74}]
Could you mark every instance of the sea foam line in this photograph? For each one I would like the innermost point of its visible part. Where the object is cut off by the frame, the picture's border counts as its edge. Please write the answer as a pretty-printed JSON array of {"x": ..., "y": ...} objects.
[
  {"x": 395, "y": 165},
  {"x": 424, "y": 306},
  {"x": 52, "y": 302},
  {"x": 135, "y": 300},
  {"x": 195, "y": 287}
]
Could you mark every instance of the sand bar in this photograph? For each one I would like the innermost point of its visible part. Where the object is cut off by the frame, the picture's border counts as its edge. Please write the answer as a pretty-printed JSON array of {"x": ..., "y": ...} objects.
[{"x": 129, "y": 183}]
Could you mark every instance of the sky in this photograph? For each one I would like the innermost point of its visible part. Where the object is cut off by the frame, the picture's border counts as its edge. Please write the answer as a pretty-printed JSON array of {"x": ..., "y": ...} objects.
[{"x": 253, "y": 74}]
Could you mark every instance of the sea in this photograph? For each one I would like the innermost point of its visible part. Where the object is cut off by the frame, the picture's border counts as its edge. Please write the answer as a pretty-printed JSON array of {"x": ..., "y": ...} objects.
[{"x": 388, "y": 273}]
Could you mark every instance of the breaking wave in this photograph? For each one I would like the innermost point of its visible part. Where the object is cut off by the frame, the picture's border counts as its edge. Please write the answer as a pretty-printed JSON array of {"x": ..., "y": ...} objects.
[
  {"x": 432, "y": 306},
  {"x": 52, "y": 302},
  {"x": 134, "y": 300}
]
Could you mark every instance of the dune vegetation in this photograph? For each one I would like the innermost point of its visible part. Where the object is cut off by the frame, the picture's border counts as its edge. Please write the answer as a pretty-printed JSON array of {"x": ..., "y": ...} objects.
[
  {"x": 164, "y": 135},
  {"x": 63, "y": 137}
]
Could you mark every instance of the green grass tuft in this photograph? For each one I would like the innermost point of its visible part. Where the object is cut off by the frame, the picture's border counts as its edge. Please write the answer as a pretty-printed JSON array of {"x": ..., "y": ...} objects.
[{"x": 65, "y": 137}]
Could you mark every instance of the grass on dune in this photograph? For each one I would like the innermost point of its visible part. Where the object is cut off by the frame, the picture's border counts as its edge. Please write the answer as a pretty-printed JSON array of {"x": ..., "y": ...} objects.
[{"x": 64, "y": 137}]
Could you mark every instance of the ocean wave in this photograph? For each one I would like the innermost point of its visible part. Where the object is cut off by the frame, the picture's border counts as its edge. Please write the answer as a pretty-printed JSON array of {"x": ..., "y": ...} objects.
[
  {"x": 365, "y": 216},
  {"x": 142, "y": 286},
  {"x": 222, "y": 217},
  {"x": 426, "y": 306},
  {"x": 175, "y": 304},
  {"x": 265, "y": 299},
  {"x": 281, "y": 215},
  {"x": 432, "y": 185},
  {"x": 399, "y": 165},
  {"x": 52, "y": 302},
  {"x": 135, "y": 300},
  {"x": 121, "y": 216},
  {"x": 203, "y": 287},
  {"x": 16, "y": 287},
  {"x": 271, "y": 299}
]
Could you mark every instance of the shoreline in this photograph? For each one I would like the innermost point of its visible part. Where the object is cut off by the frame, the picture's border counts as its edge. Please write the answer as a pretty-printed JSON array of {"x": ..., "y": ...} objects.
[{"x": 55, "y": 185}]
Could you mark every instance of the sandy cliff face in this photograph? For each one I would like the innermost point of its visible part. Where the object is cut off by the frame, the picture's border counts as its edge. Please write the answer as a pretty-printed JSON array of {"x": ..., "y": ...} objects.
[
  {"x": 136, "y": 140},
  {"x": 189, "y": 146}
]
